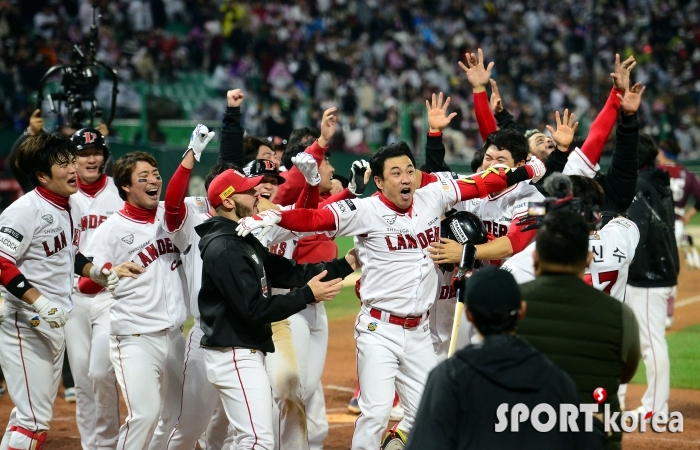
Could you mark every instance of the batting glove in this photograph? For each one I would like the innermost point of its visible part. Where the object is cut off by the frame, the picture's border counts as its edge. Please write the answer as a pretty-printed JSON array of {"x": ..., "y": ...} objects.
[
  {"x": 535, "y": 168},
  {"x": 50, "y": 312},
  {"x": 307, "y": 165},
  {"x": 264, "y": 219},
  {"x": 105, "y": 277},
  {"x": 199, "y": 139},
  {"x": 357, "y": 183}
]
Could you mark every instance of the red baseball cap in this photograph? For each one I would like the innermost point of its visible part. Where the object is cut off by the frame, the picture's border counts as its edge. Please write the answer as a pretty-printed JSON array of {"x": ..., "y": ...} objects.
[{"x": 227, "y": 183}]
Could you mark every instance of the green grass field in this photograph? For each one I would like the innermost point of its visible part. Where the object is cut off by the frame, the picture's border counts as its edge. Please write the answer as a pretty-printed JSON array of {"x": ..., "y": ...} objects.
[{"x": 684, "y": 353}]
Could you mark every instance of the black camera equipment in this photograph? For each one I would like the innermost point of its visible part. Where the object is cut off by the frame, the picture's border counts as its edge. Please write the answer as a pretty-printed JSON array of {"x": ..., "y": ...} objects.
[
  {"x": 75, "y": 100},
  {"x": 560, "y": 189}
]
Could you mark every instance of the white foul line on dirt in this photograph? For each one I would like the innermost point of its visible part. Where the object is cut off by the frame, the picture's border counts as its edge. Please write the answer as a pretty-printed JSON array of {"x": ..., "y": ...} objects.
[
  {"x": 687, "y": 301},
  {"x": 340, "y": 388}
]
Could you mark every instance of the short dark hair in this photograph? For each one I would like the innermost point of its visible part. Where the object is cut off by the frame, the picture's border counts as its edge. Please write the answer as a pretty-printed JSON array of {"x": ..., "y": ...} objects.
[
  {"x": 647, "y": 151},
  {"x": 299, "y": 134},
  {"x": 40, "y": 152},
  {"x": 124, "y": 167},
  {"x": 251, "y": 146},
  {"x": 217, "y": 169},
  {"x": 376, "y": 162},
  {"x": 292, "y": 150},
  {"x": 505, "y": 139},
  {"x": 563, "y": 239},
  {"x": 478, "y": 159},
  {"x": 588, "y": 190}
]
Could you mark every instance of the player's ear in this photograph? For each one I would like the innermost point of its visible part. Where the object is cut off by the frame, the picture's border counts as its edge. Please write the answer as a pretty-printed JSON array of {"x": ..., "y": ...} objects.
[
  {"x": 126, "y": 188},
  {"x": 378, "y": 181},
  {"x": 43, "y": 177}
]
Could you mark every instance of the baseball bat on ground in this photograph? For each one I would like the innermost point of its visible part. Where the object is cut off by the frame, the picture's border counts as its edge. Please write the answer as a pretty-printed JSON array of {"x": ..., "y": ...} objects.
[{"x": 466, "y": 265}]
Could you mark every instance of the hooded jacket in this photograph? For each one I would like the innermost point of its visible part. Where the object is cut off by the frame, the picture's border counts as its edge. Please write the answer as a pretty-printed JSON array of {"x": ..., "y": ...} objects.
[
  {"x": 655, "y": 262},
  {"x": 462, "y": 395},
  {"x": 235, "y": 301}
]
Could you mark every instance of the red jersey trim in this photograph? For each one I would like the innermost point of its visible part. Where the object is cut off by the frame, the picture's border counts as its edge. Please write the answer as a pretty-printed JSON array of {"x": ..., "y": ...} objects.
[{"x": 508, "y": 190}]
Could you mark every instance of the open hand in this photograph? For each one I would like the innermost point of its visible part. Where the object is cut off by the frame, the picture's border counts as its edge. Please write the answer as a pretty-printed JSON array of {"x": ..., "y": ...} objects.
[
  {"x": 325, "y": 290},
  {"x": 621, "y": 75},
  {"x": 328, "y": 123},
  {"x": 477, "y": 74},
  {"x": 566, "y": 129},
  {"x": 495, "y": 101},
  {"x": 36, "y": 123},
  {"x": 446, "y": 251},
  {"x": 633, "y": 97},
  {"x": 437, "y": 113},
  {"x": 129, "y": 270},
  {"x": 234, "y": 98}
]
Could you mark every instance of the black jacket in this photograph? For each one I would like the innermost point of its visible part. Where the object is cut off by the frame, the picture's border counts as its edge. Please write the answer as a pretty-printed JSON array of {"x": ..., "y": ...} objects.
[
  {"x": 462, "y": 395},
  {"x": 655, "y": 262},
  {"x": 235, "y": 301},
  {"x": 231, "y": 144}
]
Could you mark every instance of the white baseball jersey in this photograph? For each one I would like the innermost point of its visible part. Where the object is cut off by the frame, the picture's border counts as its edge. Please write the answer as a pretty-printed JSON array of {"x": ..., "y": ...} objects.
[
  {"x": 398, "y": 275},
  {"x": 97, "y": 209},
  {"x": 187, "y": 240},
  {"x": 442, "y": 313},
  {"x": 579, "y": 164},
  {"x": 499, "y": 210},
  {"x": 41, "y": 239},
  {"x": 613, "y": 249},
  {"x": 156, "y": 299}
]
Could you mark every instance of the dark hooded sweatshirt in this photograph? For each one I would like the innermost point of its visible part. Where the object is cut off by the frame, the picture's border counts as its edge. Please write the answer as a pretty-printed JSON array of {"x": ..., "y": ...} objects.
[
  {"x": 462, "y": 395},
  {"x": 235, "y": 301}
]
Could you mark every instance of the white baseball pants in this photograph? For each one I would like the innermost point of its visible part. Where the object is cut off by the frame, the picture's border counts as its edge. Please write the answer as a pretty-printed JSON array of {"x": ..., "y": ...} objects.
[
  {"x": 200, "y": 400},
  {"x": 467, "y": 331},
  {"x": 649, "y": 306},
  {"x": 310, "y": 336},
  {"x": 96, "y": 390},
  {"x": 240, "y": 377},
  {"x": 288, "y": 415},
  {"x": 31, "y": 356},
  {"x": 389, "y": 357},
  {"x": 145, "y": 365}
]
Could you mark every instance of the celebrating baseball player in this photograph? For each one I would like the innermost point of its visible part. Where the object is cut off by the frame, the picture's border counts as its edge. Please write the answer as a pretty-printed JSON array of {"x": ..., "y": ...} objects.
[
  {"x": 87, "y": 328},
  {"x": 394, "y": 230},
  {"x": 39, "y": 237},
  {"x": 146, "y": 344}
]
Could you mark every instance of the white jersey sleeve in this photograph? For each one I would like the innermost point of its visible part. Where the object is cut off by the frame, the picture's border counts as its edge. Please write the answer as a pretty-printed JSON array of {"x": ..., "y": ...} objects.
[
  {"x": 521, "y": 265},
  {"x": 579, "y": 164},
  {"x": 16, "y": 232},
  {"x": 352, "y": 217}
]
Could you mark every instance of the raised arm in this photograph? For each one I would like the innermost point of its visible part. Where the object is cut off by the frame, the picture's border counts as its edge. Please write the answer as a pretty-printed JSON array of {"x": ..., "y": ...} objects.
[
  {"x": 437, "y": 121},
  {"x": 504, "y": 119},
  {"x": 231, "y": 144},
  {"x": 479, "y": 77}
]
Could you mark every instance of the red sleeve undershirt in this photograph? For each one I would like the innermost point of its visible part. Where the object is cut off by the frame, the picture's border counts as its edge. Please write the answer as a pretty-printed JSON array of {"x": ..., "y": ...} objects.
[
  {"x": 9, "y": 271},
  {"x": 602, "y": 127},
  {"x": 484, "y": 116},
  {"x": 519, "y": 239},
  {"x": 87, "y": 286},
  {"x": 345, "y": 194},
  {"x": 309, "y": 197},
  {"x": 175, "y": 209},
  {"x": 288, "y": 192}
]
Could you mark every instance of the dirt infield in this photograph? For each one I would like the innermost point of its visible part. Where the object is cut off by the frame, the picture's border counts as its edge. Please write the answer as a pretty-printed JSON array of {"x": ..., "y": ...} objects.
[{"x": 340, "y": 376}]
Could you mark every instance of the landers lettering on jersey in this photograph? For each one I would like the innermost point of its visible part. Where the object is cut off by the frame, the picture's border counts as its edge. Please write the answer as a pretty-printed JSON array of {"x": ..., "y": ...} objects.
[
  {"x": 154, "y": 251},
  {"x": 59, "y": 243},
  {"x": 407, "y": 241},
  {"x": 497, "y": 229},
  {"x": 279, "y": 249},
  {"x": 447, "y": 292},
  {"x": 91, "y": 221}
]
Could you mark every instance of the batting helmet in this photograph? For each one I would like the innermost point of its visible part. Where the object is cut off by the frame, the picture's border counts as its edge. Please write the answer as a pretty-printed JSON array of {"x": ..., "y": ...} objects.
[
  {"x": 91, "y": 138},
  {"x": 262, "y": 167},
  {"x": 463, "y": 227}
]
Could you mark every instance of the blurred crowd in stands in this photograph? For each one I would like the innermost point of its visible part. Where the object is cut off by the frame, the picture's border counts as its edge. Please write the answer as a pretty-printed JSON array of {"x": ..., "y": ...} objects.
[{"x": 370, "y": 57}]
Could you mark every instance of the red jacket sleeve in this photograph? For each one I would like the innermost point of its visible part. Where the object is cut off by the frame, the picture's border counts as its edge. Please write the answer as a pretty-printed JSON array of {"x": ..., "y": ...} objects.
[
  {"x": 290, "y": 190},
  {"x": 519, "y": 239},
  {"x": 426, "y": 178},
  {"x": 308, "y": 220},
  {"x": 484, "y": 116},
  {"x": 345, "y": 194},
  {"x": 308, "y": 198},
  {"x": 175, "y": 209},
  {"x": 602, "y": 127}
]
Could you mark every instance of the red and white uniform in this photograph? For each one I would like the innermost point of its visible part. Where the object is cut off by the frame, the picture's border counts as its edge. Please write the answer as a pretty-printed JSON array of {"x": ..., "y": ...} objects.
[
  {"x": 613, "y": 249},
  {"x": 39, "y": 236},
  {"x": 442, "y": 315},
  {"x": 147, "y": 345},
  {"x": 87, "y": 333},
  {"x": 498, "y": 211}
]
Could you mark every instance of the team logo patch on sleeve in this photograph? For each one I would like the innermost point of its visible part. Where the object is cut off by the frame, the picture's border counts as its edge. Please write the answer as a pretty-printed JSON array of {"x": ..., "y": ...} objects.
[
  {"x": 9, "y": 240},
  {"x": 351, "y": 205},
  {"x": 11, "y": 232},
  {"x": 48, "y": 218},
  {"x": 128, "y": 239}
]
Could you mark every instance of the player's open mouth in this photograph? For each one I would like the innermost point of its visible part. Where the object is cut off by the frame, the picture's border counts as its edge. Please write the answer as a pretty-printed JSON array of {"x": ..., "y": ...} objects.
[
  {"x": 551, "y": 146},
  {"x": 72, "y": 182},
  {"x": 153, "y": 193},
  {"x": 265, "y": 195},
  {"x": 405, "y": 193}
]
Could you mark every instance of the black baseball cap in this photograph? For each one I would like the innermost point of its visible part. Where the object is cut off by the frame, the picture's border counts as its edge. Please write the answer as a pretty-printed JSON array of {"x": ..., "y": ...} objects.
[
  {"x": 263, "y": 167},
  {"x": 493, "y": 296}
]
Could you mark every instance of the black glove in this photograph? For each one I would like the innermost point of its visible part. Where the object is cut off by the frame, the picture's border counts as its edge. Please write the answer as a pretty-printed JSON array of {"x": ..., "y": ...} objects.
[{"x": 357, "y": 183}]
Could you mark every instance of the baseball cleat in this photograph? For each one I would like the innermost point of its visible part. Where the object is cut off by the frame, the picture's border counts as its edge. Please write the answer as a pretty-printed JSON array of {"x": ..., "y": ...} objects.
[
  {"x": 394, "y": 439},
  {"x": 69, "y": 395},
  {"x": 353, "y": 406}
]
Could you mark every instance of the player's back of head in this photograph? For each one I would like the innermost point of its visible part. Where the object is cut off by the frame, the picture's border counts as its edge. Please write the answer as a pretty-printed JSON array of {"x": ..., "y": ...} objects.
[
  {"x": 562, "y": 240},
  {"x": 394, "y": 150},
  {"x": 588, "y": 190},
  {"x": 647, "y": 151}
]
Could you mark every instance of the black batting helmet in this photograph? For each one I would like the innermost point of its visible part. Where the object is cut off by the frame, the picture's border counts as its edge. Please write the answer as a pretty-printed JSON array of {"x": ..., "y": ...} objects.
[
  {"x": 91, "y": 138},
  {"x": 463, "y": 227},
  {"x": 262, "y": 167}
]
